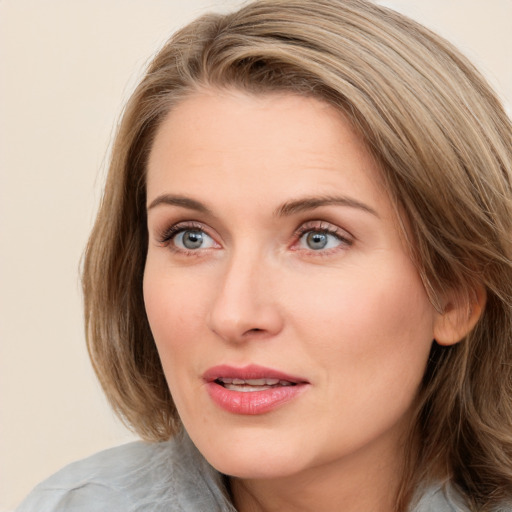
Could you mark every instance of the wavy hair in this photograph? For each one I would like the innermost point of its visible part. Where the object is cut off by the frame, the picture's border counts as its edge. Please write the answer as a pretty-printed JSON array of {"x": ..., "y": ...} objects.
[{"x": 444, "y": 145}]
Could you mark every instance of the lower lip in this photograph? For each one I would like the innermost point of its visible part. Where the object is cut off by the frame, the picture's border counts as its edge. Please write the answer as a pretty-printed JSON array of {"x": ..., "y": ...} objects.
[{"x": 252, "y": 402}]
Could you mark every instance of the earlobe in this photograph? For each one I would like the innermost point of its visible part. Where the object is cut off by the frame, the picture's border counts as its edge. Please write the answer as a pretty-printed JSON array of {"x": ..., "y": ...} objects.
[{"x": 459, "y": 317}]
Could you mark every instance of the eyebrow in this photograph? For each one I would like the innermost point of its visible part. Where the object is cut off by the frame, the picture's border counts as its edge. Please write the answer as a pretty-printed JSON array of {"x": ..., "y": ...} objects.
[
  {"x": 182, "y": 201},
  {"x": 287, "y": 209},
  {"x": 310, "y": 203}
]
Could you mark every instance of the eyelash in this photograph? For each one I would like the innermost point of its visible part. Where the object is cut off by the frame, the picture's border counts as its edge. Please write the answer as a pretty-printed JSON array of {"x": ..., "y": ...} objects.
[
  {"x": 169, "y": 233},
  {"x": 321, "y": 227},
  {"x": 166, "y": 237}
]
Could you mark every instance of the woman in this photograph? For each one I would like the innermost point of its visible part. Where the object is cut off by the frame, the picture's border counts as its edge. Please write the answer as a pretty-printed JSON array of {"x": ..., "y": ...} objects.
[{"x": 299, "y": 280}]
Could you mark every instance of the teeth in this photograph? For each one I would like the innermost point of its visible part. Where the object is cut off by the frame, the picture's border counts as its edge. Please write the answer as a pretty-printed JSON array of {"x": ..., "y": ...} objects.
[
  {"x": 246, "y": 389},
  {"x": 262, "y": 382},
  {"x": 251, "y": 384}
]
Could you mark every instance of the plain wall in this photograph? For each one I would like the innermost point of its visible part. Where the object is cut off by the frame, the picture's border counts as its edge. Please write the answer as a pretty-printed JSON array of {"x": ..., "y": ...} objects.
[{"x": 66, "y": 67}]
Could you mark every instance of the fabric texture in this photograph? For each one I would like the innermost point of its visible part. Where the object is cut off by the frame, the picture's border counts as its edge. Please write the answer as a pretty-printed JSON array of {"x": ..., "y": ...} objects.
[
  {"x": 135, "y": 477},
  {"x": 158, "y": 477}
]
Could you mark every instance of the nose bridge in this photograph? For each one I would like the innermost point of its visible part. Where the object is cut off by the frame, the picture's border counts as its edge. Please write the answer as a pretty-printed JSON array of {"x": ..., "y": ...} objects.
[{"x": 244, "y": 302}]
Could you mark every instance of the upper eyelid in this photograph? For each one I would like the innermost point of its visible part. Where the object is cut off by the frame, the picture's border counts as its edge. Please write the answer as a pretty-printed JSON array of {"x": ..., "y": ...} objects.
[
  {"x": 344, "y": 237},
  {"x": 166, "y": 238},
  {"x": 171, "y": 230},
  {"x": 323, "y": 225}
]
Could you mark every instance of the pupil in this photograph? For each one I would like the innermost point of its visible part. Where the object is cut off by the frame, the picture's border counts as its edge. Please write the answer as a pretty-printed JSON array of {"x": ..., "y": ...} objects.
[
  {"x": 317, "y": 240},
  {"x": 192, "y": 239}
]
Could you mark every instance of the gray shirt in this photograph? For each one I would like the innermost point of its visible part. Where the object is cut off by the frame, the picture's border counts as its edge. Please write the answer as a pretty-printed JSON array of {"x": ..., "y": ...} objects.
[{"x": 157, "y": 477}]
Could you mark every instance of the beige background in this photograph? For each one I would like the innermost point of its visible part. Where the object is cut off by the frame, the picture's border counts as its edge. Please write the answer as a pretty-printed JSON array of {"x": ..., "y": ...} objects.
[{"x": 66, "y": 67}]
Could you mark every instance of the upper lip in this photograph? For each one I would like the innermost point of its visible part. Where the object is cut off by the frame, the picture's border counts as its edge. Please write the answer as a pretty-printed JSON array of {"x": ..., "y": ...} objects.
[{"x": 251, "y": 371}]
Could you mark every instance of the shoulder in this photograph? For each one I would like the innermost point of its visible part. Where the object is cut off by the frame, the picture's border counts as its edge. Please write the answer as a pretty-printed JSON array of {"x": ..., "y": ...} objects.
[
  {"x": 138, "y": 477},
  {"x": 439, "y": 498},
  {"x": 445, "y": 498}
]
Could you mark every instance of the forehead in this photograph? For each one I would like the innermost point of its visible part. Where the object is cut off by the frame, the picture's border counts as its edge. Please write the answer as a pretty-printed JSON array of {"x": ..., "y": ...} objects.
[
  {"x": 224, "y": 117},
  {"x": 252, "y": 148}
]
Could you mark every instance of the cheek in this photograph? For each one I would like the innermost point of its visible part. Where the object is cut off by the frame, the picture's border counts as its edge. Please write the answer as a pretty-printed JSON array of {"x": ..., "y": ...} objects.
[
  {"x": 393, "y": 296},
  {"x": 173, "y": 310},
  {"x": 372, "y": 337},
  {"x": 370, "y": 327}
]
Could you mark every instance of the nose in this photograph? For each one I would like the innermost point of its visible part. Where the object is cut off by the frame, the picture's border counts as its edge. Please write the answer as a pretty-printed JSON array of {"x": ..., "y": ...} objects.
[{"x": 245, "y": 305}]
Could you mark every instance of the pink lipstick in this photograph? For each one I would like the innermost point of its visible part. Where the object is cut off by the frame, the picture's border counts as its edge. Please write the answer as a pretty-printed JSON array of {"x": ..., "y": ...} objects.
[{"x": 252, "y": 389}]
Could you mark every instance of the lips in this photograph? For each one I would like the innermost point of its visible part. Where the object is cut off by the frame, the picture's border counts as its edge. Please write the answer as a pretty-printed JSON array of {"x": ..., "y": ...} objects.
[{"x": 252, "y": 389}]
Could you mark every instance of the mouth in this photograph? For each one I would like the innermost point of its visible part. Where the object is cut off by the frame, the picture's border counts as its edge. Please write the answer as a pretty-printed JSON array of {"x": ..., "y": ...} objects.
[
  {"x": 251, "y": 385},
  {"x": 250, "y": 378},
  {"x": 252, "y": 389}
]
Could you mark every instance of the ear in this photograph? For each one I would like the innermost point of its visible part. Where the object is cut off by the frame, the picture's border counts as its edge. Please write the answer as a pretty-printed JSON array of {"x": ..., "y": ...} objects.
[{"x": 460, "y": 315}]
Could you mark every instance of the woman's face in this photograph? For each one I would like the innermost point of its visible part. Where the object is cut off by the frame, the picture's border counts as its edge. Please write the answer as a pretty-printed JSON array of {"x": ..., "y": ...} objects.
[{"x": 292, "y": 326}]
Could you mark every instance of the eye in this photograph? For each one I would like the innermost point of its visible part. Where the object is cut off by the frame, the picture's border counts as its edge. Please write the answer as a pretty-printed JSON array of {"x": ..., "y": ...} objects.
[
  {"x": 316, "y": 240},
  {"x": 192, "y": 239},
  {"x": 321, "y": 238}
]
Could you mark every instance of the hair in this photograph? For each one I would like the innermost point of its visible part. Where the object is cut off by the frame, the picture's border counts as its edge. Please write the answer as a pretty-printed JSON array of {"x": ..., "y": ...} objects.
[{"x": 444, "y": 145}]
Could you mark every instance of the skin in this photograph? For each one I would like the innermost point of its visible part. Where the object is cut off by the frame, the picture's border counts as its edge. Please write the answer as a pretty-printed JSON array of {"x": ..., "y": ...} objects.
[{"x": 352, "y": 319}]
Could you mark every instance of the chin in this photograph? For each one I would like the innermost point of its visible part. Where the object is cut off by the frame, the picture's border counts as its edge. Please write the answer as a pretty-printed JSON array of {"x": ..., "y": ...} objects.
[
  {"x": 260, "y": 455},
  {"x": 247, "y": 468}
]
